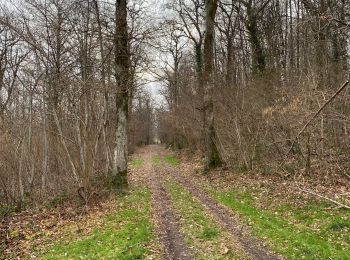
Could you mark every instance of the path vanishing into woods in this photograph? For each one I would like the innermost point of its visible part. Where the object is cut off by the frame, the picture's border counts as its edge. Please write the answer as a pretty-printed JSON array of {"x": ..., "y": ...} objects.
[
  {"x": 171, "y": 231},
  {"x": 173, "y": 212}
]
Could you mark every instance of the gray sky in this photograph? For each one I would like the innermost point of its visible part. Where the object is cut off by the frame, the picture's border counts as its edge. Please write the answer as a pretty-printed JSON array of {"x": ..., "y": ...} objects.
[{"x": 155, "y": 10}]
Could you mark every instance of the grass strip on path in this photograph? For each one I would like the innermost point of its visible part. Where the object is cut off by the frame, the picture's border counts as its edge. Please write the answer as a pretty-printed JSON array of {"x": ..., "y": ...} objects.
[
  {"x": 308, "y": 232},
  {"x": 171, "y": 160},
  {"x": 126, "y": 234},
  {"x": 315, "y": 230},
  {"x": 202, "y": 234},
  {"x": 136, "y": 163}
]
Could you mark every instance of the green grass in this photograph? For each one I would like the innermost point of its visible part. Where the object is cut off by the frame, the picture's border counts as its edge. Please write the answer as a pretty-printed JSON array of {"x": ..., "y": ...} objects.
[
  {"x": 308, "y": 232},
  {"x": 156, "y": 160},
  {"x": 171, "y": 160},
  {"x": 126, "y": 234},
  {"x": 6, "y": 211},
  {"x": 202, "y": 234},
  {"x": 136, "y": 163}
]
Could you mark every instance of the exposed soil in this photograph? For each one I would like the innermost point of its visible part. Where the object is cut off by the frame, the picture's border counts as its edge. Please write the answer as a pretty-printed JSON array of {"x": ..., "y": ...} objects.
[
  {"x": 152, "y": 172},
  {"x": 166, "y": 221},
  {"x": 252, "y": 247}
]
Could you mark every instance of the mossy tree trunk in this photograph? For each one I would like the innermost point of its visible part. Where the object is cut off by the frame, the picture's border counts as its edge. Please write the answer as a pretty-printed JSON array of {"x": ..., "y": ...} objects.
[
  {"x": 122, "y": 75},
  {"x": 213, "y": 158}
]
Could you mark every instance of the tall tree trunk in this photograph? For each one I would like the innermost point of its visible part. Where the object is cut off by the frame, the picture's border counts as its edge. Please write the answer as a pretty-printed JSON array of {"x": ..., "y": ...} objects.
[
  {"x": 201, "y": 87},
  {"x": 230, "y": 77},
  {"x": 54, "y": 78},
  {"x": 258, "y": 55},
  {"x": 105, "y": 87},
  {"x": 317, "y": 10},
  {"x": 212, "y": 154},
  {"x": 122, "y": 71}
]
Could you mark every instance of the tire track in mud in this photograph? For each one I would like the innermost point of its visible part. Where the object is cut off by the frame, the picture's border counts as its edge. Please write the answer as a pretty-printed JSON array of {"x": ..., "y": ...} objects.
[
  {"x": 165, "y": 218},
  {"x": 251, "y": 246},
  {"x": 168, "y": 224}
]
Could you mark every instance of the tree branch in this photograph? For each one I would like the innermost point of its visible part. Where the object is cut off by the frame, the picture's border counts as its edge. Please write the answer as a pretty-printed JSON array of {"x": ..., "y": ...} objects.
[
  {"x": 324, "y": 197},
  {"x": 317, "y": 113}
]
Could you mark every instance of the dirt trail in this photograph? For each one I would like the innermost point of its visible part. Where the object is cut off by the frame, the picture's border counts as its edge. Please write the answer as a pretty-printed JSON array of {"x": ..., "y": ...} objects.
[
  {"x": 225, "y": 218},
  {"x": 167, "y": 224},
  {"x": 167, "y": 221}
]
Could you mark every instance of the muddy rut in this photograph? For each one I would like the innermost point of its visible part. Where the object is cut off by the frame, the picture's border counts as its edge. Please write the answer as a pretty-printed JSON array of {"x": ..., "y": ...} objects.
[
  {"x": 167, "y": 221},
  {"x": 224, "y": 217}
]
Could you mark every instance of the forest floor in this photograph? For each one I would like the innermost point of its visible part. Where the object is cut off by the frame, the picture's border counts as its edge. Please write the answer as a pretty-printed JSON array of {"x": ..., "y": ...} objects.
[{"x": 173, "y": 211}]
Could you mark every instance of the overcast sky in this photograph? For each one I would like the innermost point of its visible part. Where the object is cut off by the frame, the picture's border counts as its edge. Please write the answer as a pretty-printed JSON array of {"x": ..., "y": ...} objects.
[
  {"x": 157, "y": 11},
  {"x": 154, "y": 9}
]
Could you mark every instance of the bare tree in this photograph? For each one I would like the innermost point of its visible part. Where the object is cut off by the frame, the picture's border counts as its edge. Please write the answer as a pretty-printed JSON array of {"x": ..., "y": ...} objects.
[
  {"x": 122, "y": 75},
  {"x": 254, "y": 11},
  {"x": 212, "y": 153}
]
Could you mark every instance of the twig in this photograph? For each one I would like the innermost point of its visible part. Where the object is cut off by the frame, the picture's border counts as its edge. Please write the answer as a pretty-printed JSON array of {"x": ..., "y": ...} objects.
[
  {"x": 317, "y": 113},
  {"x": 340, "y": 22},
  {"x": 323, "y": 197},
  {"x": 63, "y": 142}
]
